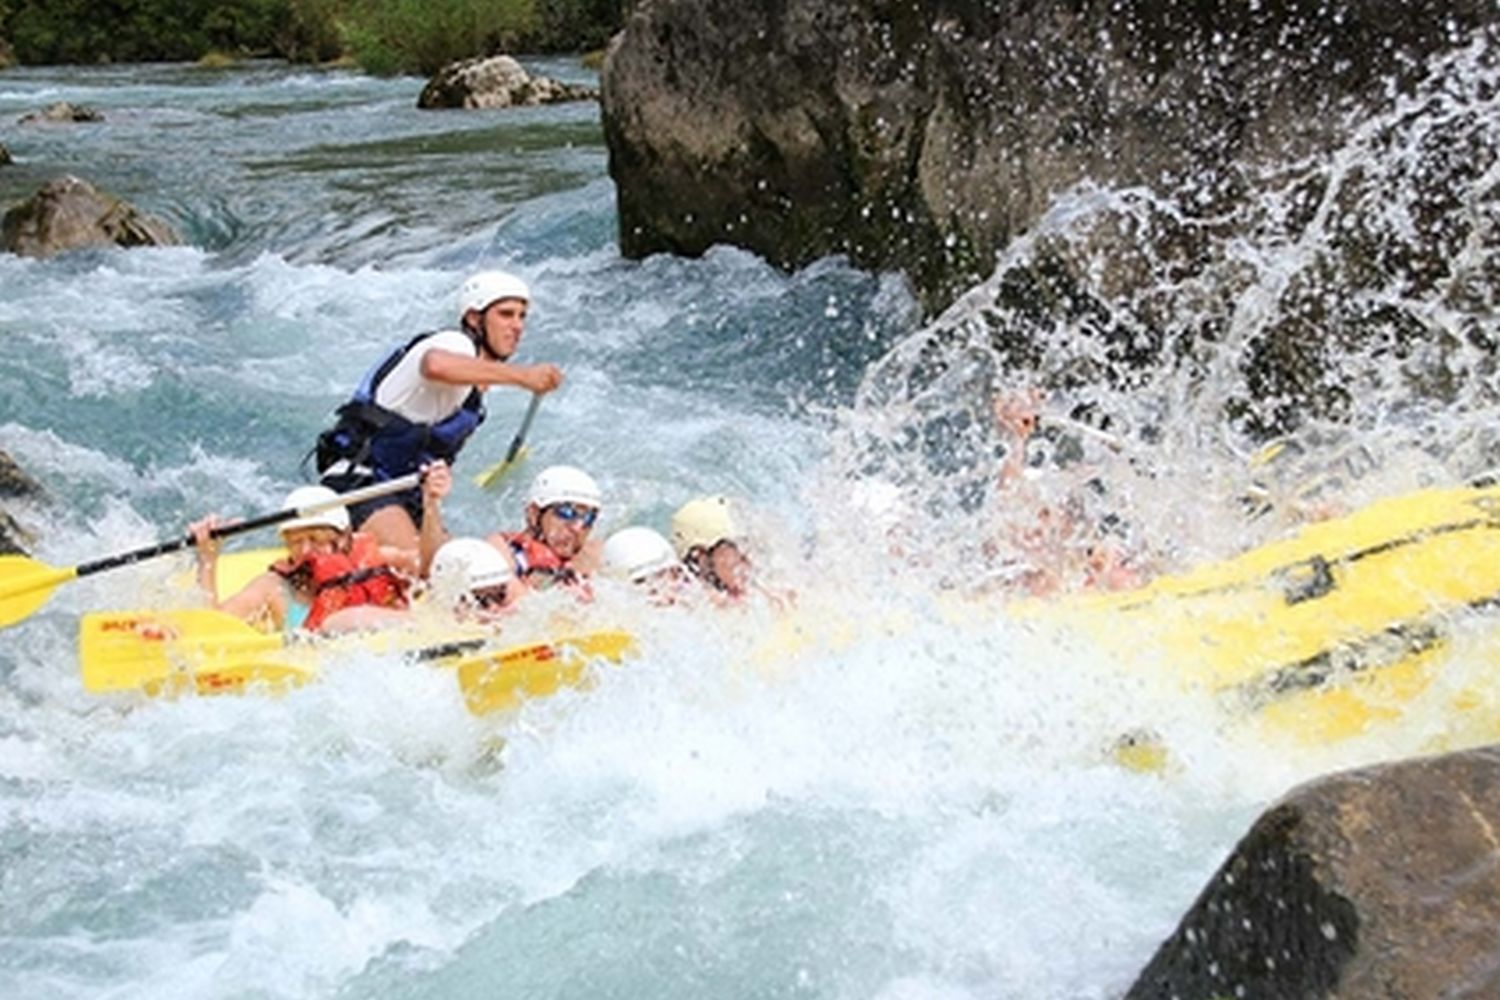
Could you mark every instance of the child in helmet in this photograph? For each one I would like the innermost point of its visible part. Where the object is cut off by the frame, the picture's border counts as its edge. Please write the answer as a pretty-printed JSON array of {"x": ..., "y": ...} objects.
[
  {"x": 708, "y": 541},
  {"x": 329, "y": 571},
  {"x": 641, "y": 556},
  {"x": 473, "y": 578}
]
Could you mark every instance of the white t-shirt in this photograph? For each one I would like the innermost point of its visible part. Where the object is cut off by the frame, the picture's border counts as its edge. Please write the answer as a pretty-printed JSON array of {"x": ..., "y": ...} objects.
[{"x": 422, "y": 400}]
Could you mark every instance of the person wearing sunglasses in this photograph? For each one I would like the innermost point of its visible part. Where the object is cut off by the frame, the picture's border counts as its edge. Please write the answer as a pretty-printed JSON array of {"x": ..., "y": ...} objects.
[
  {"x": 473, "y": 578},
  {"x": 557, "y": 545},
  {"x": 641, "y": 556}
]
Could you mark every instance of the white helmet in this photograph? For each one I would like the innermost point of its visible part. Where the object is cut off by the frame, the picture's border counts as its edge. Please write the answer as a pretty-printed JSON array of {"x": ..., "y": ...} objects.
[
  {"x": 564, "y": 484},
  {"x": 336, "y": 518},
  {"x": 467, "y": 564},
  {"x": 704, "y": 522},
  {"x": 484, "y": 289},
  {"x": 635, "y": 553}
]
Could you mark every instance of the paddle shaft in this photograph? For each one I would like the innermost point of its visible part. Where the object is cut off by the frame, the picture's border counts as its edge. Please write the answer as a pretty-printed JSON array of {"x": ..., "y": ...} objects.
[
  {"x": 1112, "y": 441},
  {"x": 489, "y": 477},
  {"x": 520, "y": 438},
  {"x": 238, "y": 528}
]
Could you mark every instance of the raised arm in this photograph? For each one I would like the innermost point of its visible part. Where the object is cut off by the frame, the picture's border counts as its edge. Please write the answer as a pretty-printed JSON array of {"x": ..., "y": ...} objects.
[{"x": 456, "y": 369}]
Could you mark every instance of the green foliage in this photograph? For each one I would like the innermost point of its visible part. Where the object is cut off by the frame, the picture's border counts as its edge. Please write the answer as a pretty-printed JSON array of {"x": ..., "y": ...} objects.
[
  {"x": 63, "y": 31},
  {"x": 311, "y": 32},
  {"x": 242, "y": 25},
  {"x": 385, "y": 36},
  {"x": 577, "y": 25},
  {"x": 422, "y": 36}
]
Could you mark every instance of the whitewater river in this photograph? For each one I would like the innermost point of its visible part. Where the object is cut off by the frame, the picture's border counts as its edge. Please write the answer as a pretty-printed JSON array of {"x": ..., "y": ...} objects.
[{"x": 912, "y": 801}]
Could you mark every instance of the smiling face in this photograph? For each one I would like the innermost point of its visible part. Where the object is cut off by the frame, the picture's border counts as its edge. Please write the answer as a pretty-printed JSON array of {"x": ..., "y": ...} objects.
[
  {"x": 563, "y": 527},
  {"x": 303, "y": 542}
]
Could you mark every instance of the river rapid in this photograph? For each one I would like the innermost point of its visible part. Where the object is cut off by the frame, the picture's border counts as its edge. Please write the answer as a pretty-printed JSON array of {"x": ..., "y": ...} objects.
[{"x": 892, "y": 806}]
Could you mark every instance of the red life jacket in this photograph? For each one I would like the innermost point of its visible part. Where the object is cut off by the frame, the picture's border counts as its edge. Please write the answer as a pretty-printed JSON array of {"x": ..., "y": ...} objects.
[
  {"x": 338, "y": 580},
  {"x": 535, "y": 559}
]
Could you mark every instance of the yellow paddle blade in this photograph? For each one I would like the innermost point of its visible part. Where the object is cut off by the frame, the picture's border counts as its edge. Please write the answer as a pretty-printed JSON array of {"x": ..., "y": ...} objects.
[
  {"x": 25, "y": 585},
  {"x": 199, "y": 650},
  {"x": 232, "y": 571},
  {"x": 489, "y": 477},
  {"x": 235, "y": 570},
  {"x": 498, "y": 681}
]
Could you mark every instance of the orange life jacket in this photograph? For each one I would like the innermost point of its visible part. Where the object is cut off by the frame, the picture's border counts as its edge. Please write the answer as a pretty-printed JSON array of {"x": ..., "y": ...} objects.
[
  {"x": 534, "y": 559},
  {"x": 338, "y": 580}
]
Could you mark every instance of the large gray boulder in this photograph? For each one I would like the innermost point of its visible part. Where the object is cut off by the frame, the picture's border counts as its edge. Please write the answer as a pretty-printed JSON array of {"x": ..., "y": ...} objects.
[
  {"x": 1378, "y": 883},
  {"x": 69, "y": 213},
  {"x": 924, "y": 135},
  {"x": 496, "y": 82},
  {"x": 1140, "y": 165}
]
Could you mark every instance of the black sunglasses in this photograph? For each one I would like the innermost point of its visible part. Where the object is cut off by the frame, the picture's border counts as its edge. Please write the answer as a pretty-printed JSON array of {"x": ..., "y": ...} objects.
[{"x": 490, "y": 597}]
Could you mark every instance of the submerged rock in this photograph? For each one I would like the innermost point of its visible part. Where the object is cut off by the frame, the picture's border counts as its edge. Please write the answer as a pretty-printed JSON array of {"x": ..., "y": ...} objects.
[
  {"x": 14, "y": 481},
  {"x": 496, "y": 82},
  {"x": 61, "y": 111},
  {"x": 15, "y": 484},
  {"x": 1383, "y": 882},
  {"x": 13, "y": 537},
  {"x": 69, "y": 213}
]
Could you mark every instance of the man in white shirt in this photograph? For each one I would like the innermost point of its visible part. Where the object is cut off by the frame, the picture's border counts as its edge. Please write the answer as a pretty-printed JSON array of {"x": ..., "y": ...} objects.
[{"x": 420, "y": 403}]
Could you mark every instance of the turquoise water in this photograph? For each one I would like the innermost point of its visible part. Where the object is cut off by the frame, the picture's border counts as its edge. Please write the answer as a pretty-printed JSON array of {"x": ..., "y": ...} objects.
[{"x": 917, "y": 810}]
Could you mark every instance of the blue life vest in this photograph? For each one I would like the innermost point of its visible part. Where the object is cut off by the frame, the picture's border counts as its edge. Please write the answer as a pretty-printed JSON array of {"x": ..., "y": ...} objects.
[{"x": 372, "y": 443}]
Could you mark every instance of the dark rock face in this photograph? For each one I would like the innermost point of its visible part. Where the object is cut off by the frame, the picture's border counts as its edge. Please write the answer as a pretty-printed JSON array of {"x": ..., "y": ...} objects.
[
  {"x": 5, "y": 157},
  {"x": 12, "y": 536},
  {"x": 925, "y": 135},
  {"x": 61, "y": 111},
  {"x": 1137, "y": 165},
  {"x": 69, "y": 213},
  {"x": 15, "y": 484},
  {"x": 1383, "y": 882},
  {"x": 495, "y": 82}
]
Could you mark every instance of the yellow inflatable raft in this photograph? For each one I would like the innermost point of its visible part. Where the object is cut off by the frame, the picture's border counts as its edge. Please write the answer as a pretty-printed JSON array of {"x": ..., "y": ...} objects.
[
  {"x": 1330, "y": 631},
  {"x": 1322, "y": 635},
  {"x": 203, "y": 651}
]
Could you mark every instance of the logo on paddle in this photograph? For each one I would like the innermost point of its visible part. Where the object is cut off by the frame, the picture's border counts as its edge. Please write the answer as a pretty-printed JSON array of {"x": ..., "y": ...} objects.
[{"x": 150, "y": 629}]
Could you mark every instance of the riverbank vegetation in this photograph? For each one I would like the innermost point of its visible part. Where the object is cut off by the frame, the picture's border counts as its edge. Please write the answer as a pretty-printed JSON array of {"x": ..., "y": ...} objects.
[{"x": 381, "y": 36}]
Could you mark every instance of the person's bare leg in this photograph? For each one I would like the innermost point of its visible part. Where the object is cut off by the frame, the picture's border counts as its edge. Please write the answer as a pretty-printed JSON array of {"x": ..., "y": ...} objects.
[{"x": 392, "y": 526}]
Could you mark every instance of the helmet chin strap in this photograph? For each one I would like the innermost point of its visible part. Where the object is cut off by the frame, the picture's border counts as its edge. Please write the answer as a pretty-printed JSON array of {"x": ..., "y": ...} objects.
[{"x": 481, "y": 337}]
